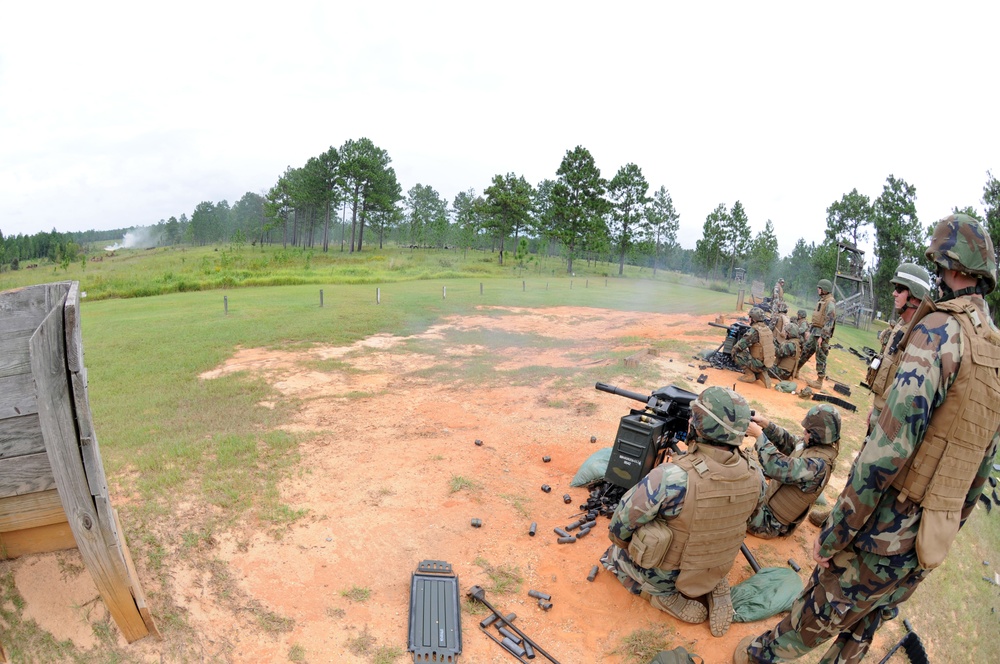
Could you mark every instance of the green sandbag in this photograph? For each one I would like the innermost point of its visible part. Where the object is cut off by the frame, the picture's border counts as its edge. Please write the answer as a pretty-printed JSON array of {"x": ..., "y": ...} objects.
[
  {"x": 593, "y": 468},
  {"x": 767, "y": 593},
  {"x": 787, "y": 386}
]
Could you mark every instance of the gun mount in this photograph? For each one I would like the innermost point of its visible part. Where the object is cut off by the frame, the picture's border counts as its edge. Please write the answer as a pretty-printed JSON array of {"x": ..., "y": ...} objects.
[{"x": 722, "y": 358}]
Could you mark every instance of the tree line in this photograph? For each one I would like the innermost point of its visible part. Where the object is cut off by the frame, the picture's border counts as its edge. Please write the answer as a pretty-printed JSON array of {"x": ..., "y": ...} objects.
[{"x": 577, "y": 214}]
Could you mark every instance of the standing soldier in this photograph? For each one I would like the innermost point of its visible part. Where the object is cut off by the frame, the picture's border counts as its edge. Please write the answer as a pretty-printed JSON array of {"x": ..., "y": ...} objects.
[
  {"x": 798, "y": 468},
  {"x": 754, "y": 352},
  {"x": 920, "y": 471},
  {"x": 778, "y": 295},
  {"x": 676, "y": 533},
  {"x": 787, "y": 354},
  {"x": 913, "y": 283},
  {"x": 821, "y": 326}
]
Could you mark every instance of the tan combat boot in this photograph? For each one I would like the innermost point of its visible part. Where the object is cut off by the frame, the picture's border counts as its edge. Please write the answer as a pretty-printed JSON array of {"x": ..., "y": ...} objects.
[
  {"x": 815, "y": 384},
  {"x": 680, "y": 607},
  {"x": 720, "y": 608},
  {"x": 740, "y": 655},
  {"x": 747, "y": 377}
]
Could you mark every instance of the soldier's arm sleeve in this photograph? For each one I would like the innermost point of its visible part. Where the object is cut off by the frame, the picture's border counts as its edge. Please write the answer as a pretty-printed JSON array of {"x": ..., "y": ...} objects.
[
  {"x": 925, "y": 372},
  {"x": 830, "y": 322},
  {"x": 784, "y": 441},
  {"x": 807, "y": 474},
  {"x": 745, "y": 341},
  {"x": 659, "y": 493},
  {"x": 980, "y": 480}
]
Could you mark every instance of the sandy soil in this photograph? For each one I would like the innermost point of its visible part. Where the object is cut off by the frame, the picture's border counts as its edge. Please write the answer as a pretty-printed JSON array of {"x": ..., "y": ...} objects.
[{"x": 377, "y": 483}]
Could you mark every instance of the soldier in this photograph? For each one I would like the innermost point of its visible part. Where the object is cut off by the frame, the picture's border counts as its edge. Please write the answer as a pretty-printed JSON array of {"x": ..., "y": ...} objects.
[
  {"x": 821, "y": 326},
  {"x": 920, "y": 471},
  {"x": 778, "y": 295},
  {"x": 787, "y": 354},
  {"x": 754, "y": 351},
  {"x": 676, "y": 533},
  {"x": 801, "y": 321},
  {"x": 913, "y": 283},
  {"x": 798, "y": 469},
  {"x": 779, "y": 323}
]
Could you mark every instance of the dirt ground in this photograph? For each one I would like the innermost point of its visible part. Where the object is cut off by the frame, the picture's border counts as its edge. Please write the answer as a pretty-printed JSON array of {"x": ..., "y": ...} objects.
[{"x": 378, "y": 482}]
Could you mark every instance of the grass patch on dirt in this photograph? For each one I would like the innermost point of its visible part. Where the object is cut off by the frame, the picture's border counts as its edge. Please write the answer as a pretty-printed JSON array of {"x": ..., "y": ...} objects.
[
  {"x": 458, "y": 483},
  {"x": 517, "y": 503},
  {"x": 504, "y": 579},
  {"x": 366, "y": 645},
  {"x": 642, "y": 645},
  {"x": 357, "y": 594}
]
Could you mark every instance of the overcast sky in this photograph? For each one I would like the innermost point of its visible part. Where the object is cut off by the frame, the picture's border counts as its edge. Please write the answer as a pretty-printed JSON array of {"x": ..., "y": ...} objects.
[{"x": 121, "y": 114}]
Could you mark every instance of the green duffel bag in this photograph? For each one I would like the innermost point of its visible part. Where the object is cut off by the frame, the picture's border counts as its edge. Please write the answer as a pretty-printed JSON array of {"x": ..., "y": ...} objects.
[{"x": 676, "y": 656}]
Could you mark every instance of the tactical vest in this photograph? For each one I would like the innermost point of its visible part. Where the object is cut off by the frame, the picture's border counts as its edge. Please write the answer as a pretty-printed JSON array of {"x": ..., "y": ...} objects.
[
  {"x": 939, "y": 474},
  {"x": 763, "y": 350},
  {"x": 791, "y": 360},
  {"x": 722, "y": 492},
  {"x": 819, "y": 316},
  {"x": 788, "y": 502},
  {"x": 882, "y": 377},
  {"x": 781, "y": 323}
]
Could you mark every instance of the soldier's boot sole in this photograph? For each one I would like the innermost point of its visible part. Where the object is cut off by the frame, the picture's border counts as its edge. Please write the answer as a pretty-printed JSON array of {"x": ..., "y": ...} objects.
[
  {"x": 720, "y": 608},
  {"x": 740, "y": 655},
  {"x": 680, "y": 607}
]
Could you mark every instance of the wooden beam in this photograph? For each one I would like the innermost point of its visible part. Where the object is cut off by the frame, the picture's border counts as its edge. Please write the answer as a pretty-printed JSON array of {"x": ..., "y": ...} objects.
[
  {"x": 44, "y": 539},
  {"x": 26, "y": 474},
  {"x": 20, "y": 435},
  {"x": 55, "y": 410},
  {"x": 31, "y": 511}
]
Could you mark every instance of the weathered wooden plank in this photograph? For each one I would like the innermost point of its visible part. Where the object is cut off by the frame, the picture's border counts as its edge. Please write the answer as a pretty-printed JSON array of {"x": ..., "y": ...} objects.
[
  {"x": 74, "y": 338},
  {"x": 54, "y": 537},
  {"x": 93, "y": 464},
  {"x": 31, "y": 511},
  {"x": 20, "y": 435},
  {"x": 140, "y": 597},
  {"x": 26, "y": 474},
  {"x": 14, "y": 359},
  {"x": 23, "y": 308},
  {"x": 17, "y": 396},
  {"x": 55, "y": 410}
]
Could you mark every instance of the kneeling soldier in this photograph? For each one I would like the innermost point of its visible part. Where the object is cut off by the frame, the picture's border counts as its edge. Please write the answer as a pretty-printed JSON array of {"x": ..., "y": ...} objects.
[
  {"x": 754, "y": 352},
  {"x": 787, "y": 355},
  {"x": 677, "y": 532}
]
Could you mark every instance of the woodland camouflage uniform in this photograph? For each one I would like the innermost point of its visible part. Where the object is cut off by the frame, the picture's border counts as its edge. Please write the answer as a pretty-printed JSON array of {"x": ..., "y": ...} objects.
[
  {"x": 890, "y": 526},
  {"x": 788, "y": 461},
  {"x": 787, "y": 353},
  {"x": 821, "y": 326},
  {"x": 719, "y": 419},
  {"x": 754, "y": 352}
]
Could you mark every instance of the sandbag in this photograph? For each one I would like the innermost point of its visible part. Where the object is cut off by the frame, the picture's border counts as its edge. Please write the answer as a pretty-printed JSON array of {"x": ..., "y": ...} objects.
[
  {"x": 786, "y": 386},
  {"x": 676, "y": 656},
  {"x": 767, "y": 593},
  {"x": 593, "y": 468}
]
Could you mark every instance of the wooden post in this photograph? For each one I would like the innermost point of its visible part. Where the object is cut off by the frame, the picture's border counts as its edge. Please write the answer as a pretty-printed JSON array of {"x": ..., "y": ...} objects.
[
  {"x": 523, "y": 287},
  {"x": 444, "y": 292},
  {"x": 480, "y": 288},
  {"x": 320, "y": 298},
  {"x": 225, "y": 304},
  {"x": 378, "y": 296}
]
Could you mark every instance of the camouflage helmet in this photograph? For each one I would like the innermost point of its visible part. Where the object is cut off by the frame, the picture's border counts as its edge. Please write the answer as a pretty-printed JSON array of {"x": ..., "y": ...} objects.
[
  {"x": 781, "y": 280},
  {"x": 960, "y": 243},
  {"x": 825, "y": 285},
  {"x": 756, "y": 314},
  {"x": 823, "y": 424},
  {"x": 802, "y": 314},
  {"x": 782, "y": 308},
  {"x": 720, "y": 415},
  {"x": 914, "y": 278},
  {"x": 792, "y": 331}
]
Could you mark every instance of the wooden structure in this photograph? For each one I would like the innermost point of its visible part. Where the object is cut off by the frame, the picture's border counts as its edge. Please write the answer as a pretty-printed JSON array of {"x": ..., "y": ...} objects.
[
  {"x": 852, "y": 288},
  {"x": 53, "y": 492}
]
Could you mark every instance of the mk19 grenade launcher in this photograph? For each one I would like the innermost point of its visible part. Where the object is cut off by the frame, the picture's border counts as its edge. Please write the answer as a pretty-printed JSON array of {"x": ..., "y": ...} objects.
[{"x": 645, "y": 435}]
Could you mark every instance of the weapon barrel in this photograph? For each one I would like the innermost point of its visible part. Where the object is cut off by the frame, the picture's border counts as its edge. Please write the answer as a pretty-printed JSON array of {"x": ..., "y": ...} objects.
[
  {"x": 611, "y": 389},
  {"x": 754, "y": 565},
  {"x": 714, "y": 324}
]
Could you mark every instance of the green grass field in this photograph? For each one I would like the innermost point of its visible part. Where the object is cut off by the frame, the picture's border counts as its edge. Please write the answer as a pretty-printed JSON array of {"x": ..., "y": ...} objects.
[{"x": 165, "y": 433}]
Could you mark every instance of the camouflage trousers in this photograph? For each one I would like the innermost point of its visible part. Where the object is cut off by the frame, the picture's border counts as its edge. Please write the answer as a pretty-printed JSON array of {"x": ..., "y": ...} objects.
[
  {"x": 845, "y": 602},
  {"x": 639, "y": 579},
  {"x": 765, "y": 525},
  {"x": 745, "y": 360},
  {"x": 819, "y": 346},
  {"x": 781, "y": 374}
]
